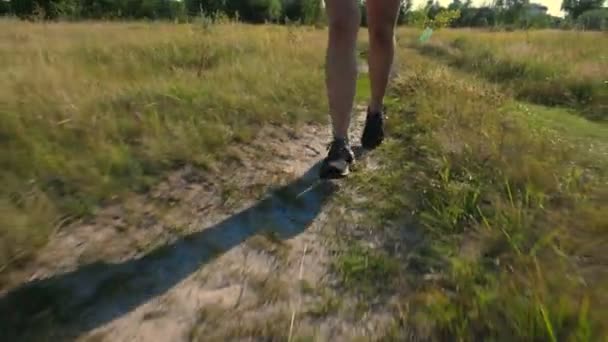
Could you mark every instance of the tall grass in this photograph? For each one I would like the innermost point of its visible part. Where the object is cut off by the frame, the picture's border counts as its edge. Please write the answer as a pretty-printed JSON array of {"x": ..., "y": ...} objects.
[
  {"x": 510, "y": 213},
  {"x": 546, "y": 67},
  {"x": 93, "y": 110}
]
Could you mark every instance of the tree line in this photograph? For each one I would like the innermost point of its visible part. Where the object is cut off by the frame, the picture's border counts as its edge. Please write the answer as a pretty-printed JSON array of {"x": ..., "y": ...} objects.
[{"x": 586, "y": 14}]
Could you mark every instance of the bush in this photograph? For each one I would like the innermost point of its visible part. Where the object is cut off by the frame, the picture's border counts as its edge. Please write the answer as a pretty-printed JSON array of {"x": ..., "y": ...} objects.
[
  {"x": 422, "y": 19},
  {"x": 27, "y": 9},
  {"x": 257, "y": 11},
  {"x": 194, "y": 7},
  {"x": 596, "y": 19},
  {"x": 5, "y": 8},
  {"x": 566, "y": 24}
]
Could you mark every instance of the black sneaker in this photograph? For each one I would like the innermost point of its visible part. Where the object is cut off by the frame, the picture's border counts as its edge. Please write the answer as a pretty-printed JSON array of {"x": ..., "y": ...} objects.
[
  {"x": 338, "y": 160},
  {"x": 373, "y": 133}
]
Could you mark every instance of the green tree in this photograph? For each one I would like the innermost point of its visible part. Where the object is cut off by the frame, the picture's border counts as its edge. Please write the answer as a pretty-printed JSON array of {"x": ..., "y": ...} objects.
[
  {"x": 404, "y": 10},
  {"x": 44, "y": 9},
  {"x": 257, "y": 11},
  {"x": 472, "y": 16},
  {"x": 194, "y": 7},
  {"x": 420, "y": 18},
  {"x": 68, "y": 9},
  {"x": 575, "y": 8},
  {"x": 5, "y": 7},
  {"x": 100, "y": 9},
  {"x": 458, "y": 5},
  {"x": 514, "y": 10},
  {"x": 596, "y": 19},
  {"x": 444, "y": 18},
  {"x": 432, "y": 8},
  {"x": 292, "y": 10},
  {"x": 312, "y": 12}
]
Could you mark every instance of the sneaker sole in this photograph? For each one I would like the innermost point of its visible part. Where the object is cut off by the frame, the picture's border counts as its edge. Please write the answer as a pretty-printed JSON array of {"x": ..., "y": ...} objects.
[
  {"x": 334, "y": 174},
  {"x": 339, "y": 164},
  {"x": 336, "y": 169}
]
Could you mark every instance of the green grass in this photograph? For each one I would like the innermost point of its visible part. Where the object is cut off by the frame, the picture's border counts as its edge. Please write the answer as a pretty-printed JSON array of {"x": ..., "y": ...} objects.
[
  {"x": 508, "y": 198},
  {"x": 366, "y": 269},
  {"x": 363, "y": 88},
  {"x": 568, "y": 128},
  {"x": 534, "y": 66},
  {"x": 565, "y": 121},
  {"x": 87, "y": 118}
]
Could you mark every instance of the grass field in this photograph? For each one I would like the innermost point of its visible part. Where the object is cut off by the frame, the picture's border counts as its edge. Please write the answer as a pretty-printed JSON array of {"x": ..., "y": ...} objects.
[
  {"x": 497, "y": 156},
  {"x": 510, "y": 197},
  {"x": 547, "y": 67},
  {"x": 86, "y": 117}
]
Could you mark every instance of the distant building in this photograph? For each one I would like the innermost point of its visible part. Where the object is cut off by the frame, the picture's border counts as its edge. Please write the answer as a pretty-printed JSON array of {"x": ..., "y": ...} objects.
[{"x": 533, "y": 10}]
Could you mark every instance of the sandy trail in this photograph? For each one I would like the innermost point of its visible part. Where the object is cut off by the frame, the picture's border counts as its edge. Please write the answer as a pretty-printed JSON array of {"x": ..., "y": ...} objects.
[{"x": 230, "y": 270}]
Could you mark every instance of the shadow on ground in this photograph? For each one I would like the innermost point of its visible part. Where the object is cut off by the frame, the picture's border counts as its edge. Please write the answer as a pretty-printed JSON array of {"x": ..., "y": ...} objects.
[{"x": 95, "y": 294}]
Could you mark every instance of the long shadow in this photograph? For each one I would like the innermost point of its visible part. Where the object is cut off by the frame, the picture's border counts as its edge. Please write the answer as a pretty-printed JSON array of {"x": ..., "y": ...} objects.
[{"x": 95, "y": 294}]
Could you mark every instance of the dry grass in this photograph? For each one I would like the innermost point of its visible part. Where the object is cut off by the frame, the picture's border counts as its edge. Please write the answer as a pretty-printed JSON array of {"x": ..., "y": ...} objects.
[
  {"x": 93, "y": 110},
  {"x": 570, "y": 53},
  {"x": 272, "y": 325},
  {"x": 510, "y": 210},
  {"x": 510, "y": 199},
  {"x": 546, "y": 67},
  {"x": 267, "y": 242}
]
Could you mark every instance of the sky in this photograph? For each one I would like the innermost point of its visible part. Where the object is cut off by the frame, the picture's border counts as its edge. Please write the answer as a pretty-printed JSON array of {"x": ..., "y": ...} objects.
[{"x": 553, "y": 5}]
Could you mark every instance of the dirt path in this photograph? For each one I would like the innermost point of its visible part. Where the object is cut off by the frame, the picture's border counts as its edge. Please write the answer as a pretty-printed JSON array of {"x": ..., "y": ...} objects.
[{"x": 194, "y": 260}]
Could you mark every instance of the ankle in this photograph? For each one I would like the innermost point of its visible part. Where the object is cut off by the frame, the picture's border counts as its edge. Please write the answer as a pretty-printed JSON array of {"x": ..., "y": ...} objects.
[
  {"x": 341, "y": 140},
  {"x": 375, "y": 109}
]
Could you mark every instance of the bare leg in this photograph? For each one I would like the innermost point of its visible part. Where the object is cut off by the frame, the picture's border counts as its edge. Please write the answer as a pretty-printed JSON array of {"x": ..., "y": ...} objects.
[
  {"x": 341, "y": 63},
  {"x": 381, "y": 20}
]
